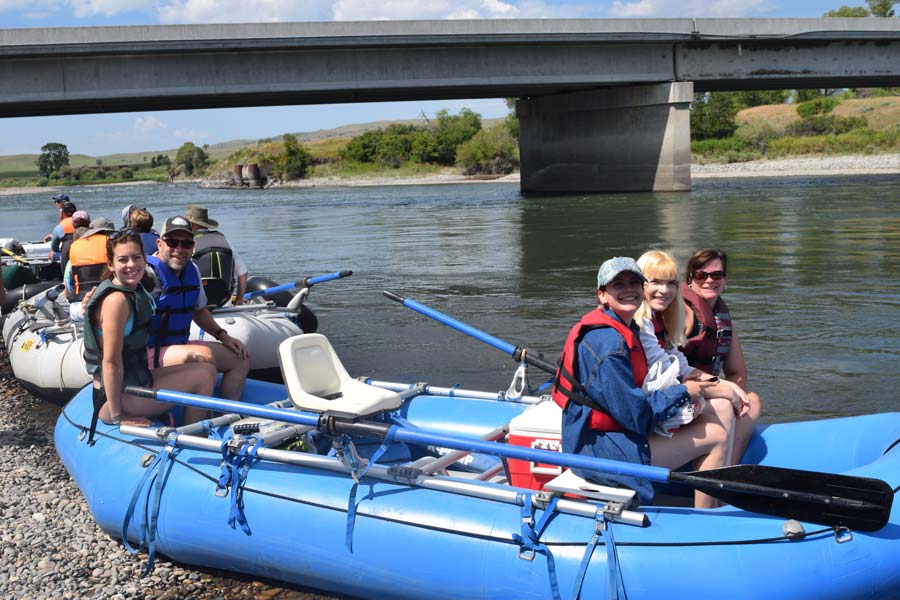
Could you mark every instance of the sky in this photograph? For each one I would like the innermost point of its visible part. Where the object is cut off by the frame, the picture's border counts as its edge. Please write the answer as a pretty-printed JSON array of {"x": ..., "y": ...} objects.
[{"x": 100, "y": 135}]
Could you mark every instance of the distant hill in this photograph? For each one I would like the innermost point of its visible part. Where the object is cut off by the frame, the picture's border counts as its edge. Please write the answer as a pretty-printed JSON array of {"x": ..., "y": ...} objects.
[
  {"x": 22, "y": 165},
  {"x": 881, "y": 112}
]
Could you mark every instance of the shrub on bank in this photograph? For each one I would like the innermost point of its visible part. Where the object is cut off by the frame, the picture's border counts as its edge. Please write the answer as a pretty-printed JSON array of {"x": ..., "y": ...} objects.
[
  {"x": 491, "y": 151},
  {"x": 825, "y": 125}
]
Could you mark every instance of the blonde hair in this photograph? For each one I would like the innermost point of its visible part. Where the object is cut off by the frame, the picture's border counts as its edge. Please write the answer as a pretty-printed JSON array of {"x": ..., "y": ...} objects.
[{"x": 657, "y": 264}]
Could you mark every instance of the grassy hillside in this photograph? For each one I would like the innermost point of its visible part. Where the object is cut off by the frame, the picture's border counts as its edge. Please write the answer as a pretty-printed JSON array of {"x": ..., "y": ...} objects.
[{"x": 882, "y": 113}]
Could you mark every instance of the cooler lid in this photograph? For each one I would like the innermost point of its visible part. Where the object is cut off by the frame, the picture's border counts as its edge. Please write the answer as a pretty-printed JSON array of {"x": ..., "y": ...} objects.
[{"x": 544, "y": 418}]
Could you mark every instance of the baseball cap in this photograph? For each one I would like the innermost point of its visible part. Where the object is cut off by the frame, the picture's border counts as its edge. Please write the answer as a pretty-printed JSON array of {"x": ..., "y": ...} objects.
[
  {"x": 612, "y": 267},
  {"x": 61, "y": 198},
  {"x": 176, "y": 224}
]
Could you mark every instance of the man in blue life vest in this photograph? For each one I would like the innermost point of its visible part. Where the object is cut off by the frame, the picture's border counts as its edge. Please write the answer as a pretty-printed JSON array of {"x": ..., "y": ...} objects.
[
  {"x": 63, "y": 230},
  {"x": 180, "y": 299},
  {"x": 219, "y": 264}
]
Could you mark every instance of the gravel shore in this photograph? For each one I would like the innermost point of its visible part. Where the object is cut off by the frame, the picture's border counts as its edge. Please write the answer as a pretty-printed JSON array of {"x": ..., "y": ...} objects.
[
  {"x": 50, "y": 546},
  {"x": 859, "y": 164}
]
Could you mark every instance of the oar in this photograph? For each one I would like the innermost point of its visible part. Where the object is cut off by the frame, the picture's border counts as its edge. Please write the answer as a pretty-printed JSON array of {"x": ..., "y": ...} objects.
[
  {"x": 15, "y": 256},
  {"x": 517, "y": 352},
  {"x": 302, "y": 283},
  {"x": 836, "y": 500}
]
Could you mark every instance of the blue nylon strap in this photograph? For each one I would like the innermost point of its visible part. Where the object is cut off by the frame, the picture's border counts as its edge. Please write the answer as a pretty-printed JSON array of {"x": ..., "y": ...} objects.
[
  {"x": 616, "y": 583},
  {"x": 529, "y": 540},
  {"x": 240, "y": 467},
  {"x": 156, "y": 473},
  {"x": 351, "y": 503}
]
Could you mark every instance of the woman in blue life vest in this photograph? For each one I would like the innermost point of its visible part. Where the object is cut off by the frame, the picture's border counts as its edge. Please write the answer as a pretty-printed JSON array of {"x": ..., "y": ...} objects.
[
  {"x": 117, "y": 326},
  {"x": 606, "y": 414},
  {"x": 661, "y": 318},
  {"x": 712, "y": 345}
]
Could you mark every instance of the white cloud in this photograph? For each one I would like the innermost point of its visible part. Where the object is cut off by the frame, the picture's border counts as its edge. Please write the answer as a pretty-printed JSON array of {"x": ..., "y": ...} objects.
[
  {"x": 242, "y": 11},
  {"x": 686, "y": 8},
  {"x": 190, "y": 135},
  {"x": 365, "y": 10},
  {"x": 108, "y": 8},
  {"x": 147, "y": 124}
]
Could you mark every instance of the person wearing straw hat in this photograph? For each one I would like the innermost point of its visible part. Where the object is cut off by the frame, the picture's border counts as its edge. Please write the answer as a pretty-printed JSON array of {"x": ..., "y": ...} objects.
[{"x": 218, "y": 261}]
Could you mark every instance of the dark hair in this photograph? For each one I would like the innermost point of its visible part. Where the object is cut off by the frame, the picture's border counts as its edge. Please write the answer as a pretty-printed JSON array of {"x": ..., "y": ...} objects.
[
  {"x": 141, "y": 219},
  {"x": 116, "y": 238},
  {"x": 701, "y": 257}
]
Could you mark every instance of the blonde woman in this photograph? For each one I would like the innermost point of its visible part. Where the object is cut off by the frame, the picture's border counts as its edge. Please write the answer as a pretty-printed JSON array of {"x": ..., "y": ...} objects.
[{"x": 661, "y": 318}]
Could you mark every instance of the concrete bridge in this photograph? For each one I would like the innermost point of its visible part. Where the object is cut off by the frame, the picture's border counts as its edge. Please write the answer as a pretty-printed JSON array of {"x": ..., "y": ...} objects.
[{"x": 604, "y": 103}]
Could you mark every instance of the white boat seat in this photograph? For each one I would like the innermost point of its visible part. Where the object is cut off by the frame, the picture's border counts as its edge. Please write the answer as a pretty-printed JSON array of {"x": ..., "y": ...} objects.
[
  {"x": 317, "y": 381},
  {"x": 569, "y": 483}
]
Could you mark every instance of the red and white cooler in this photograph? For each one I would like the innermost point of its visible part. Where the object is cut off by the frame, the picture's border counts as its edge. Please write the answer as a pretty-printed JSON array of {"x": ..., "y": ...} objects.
[{"x": 537, "y": 427}]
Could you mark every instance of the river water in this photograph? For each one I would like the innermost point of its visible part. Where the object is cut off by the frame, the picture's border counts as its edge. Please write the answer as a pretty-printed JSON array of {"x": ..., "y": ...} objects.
[{"x": 814, "y": 271}]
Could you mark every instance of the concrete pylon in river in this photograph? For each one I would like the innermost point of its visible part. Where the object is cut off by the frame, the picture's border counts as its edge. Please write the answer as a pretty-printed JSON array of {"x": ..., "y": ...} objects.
[{"x": 634, "y": 138}]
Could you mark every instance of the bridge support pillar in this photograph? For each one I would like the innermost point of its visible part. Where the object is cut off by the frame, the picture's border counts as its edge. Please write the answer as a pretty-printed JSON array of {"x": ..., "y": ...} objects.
[{"x": 634, "y": 138}]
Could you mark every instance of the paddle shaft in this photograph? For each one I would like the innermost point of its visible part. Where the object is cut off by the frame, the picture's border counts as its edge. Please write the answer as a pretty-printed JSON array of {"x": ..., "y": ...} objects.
[
  {"x": 306, "y": 282},
  {"x": 517, "y": 352},
  {"x": 332, "y": 424}
]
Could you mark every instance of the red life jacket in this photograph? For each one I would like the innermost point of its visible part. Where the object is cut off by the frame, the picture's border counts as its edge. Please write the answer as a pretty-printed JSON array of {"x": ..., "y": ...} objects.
[
  {"x": 659, "y": 329},
  {"x": 708, "y": 350},
  {"x": 566, "y": 386}
]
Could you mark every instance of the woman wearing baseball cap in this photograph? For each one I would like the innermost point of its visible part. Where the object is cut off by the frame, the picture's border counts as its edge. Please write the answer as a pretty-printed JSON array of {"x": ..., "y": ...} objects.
[{"x": 606, "y": 414}]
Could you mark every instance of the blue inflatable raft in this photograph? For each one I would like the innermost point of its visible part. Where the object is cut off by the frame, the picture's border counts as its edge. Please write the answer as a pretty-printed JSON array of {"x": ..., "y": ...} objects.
[{"x": 259, "y": 491}]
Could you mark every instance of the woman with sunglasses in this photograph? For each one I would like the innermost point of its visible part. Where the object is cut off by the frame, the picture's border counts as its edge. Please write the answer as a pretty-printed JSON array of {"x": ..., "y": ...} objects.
[
  {"x": 661, "y": 318},
  {"x": 118, "y": 316},
  {"x": 712, "y": 346}
]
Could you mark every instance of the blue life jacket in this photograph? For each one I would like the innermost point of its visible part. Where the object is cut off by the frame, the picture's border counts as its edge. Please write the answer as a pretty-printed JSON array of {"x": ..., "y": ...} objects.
[{"x": 175, "y": 305}]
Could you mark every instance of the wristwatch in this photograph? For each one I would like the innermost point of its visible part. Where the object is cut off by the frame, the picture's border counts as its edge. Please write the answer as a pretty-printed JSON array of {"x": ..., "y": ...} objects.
[{"x": 219, "y": 333}]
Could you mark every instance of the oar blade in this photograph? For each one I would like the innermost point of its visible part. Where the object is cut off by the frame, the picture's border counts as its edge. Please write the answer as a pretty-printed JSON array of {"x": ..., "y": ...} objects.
[{"x": 859, "y": 503}]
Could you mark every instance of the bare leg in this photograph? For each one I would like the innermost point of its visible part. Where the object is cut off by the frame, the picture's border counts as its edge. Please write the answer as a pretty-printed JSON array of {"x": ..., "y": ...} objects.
[
  {"x": 194, "y": 378},
  {"x": 234, "y": 370},
  {"x": 184, "y": 354},
  {"x": 744, "y": 426},
  {"x": 707, "y": 441}
]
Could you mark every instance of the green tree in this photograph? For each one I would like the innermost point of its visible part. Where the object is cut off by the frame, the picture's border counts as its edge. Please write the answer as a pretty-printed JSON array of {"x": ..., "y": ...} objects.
[
  {"x": 750, "y": 98},
  {"x": 713, "y": 115},
  {"x": 53, "y": 156},
  {"x": 511, "y": 122},
  {"x": 190, "y": 159},
  {"x": 444, "y": 135},
  {"x": 881, "y": 8},
  {"x": 491, "y": 150},
  {"x": 849, "y": 11},
  {"x": 364, "y": 148},
  {"x": 395, "y": 145},
  {"x": 295, "y": 161}
]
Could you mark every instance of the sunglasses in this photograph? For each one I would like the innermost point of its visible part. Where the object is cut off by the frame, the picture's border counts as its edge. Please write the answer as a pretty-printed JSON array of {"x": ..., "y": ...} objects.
[
  {"x": 704, "y": 275},
  {"x": 172, "y": 243}
]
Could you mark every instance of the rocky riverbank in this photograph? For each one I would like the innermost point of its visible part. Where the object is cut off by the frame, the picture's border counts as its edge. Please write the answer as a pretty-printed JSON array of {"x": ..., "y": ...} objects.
[
  {"x": 50, "y": 546},
  {"x": 859, "y": 164}
]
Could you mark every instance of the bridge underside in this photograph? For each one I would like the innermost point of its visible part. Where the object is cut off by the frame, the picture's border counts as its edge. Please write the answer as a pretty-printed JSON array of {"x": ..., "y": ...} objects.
[
  {"x": 604, "y": 103},
  {"x": 36, "y": 81}
]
